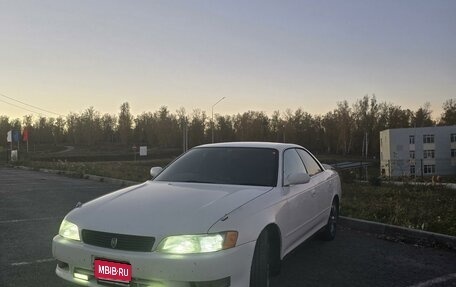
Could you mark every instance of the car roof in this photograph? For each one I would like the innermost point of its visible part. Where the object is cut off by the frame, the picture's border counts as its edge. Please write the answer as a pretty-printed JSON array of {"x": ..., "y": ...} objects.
[{"x": 274, "y": 145}]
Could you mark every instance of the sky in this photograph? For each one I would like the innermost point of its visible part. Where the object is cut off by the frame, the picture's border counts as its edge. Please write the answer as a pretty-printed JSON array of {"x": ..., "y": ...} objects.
[{"x": 65, "y": 56}]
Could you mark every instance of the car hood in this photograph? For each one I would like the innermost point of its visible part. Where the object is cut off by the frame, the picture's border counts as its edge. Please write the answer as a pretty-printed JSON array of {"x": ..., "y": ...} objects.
[{"x": 162, "y": 208}]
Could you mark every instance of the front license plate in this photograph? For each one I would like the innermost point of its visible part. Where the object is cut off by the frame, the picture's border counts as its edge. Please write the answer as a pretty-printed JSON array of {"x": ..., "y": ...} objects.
[{"x": 112, "y": 271}]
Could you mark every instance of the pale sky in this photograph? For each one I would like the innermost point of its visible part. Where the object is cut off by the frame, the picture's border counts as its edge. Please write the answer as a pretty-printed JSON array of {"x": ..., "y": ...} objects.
[{"x": 66, "y": 55}]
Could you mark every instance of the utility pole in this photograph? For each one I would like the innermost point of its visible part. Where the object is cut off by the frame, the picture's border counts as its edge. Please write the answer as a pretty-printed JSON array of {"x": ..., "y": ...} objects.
[
  {"x": 184, "y": 135},
  {"x": 212, "y": 121}
]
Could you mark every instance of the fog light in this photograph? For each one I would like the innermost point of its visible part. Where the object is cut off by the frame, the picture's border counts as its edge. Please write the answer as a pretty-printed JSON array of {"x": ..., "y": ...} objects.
[
  {"x": 81, "y": 276},
  {"x": 62, "y": 265}
]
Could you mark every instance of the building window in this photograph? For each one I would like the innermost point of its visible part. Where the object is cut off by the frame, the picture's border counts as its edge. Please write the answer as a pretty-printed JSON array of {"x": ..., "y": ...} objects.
[
  {"x": 411, "y": 139},
  {"x": 412, "y": 169},
  {"x": 429, "y": 168},
  {"x": 428, "y": 139},
  {"x": 453, "y": 153},
  {"x": 412, "y": 154},
  {"x": 453, "y": 138},
  {"x": 430, "y": 153}
]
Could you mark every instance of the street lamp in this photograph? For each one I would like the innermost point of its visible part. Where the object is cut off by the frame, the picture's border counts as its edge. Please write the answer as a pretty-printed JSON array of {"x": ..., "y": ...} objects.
[{"x": 213, "y": 117}]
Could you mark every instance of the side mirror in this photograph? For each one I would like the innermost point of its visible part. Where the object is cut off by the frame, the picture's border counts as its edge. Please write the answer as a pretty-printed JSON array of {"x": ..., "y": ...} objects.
[
  {"x": 155, "y": 171},
  {"x": 297, "y": 178}
]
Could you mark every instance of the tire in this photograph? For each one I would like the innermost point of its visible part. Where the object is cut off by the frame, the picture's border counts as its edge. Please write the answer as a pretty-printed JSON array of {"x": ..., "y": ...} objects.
[
  {"x": 260, "y": 271},
  {"x": 329, "y": 231}
]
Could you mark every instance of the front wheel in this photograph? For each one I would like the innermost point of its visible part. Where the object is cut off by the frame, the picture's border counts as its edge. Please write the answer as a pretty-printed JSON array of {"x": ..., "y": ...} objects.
[
  {"x": 329, "y": 231},
  {"x": 260, "y": 271}
]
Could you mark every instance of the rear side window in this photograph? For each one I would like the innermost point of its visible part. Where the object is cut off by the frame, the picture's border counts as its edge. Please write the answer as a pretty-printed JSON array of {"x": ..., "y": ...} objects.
[
  {"x": 311, "y": 165},
  {"x": 292, "y": 163}
]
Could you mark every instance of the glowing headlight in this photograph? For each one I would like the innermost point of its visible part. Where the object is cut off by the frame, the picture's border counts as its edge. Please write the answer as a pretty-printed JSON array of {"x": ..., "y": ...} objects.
[
  {"x": 69, "y": 230},
  {"x": 202, "y": 243}
]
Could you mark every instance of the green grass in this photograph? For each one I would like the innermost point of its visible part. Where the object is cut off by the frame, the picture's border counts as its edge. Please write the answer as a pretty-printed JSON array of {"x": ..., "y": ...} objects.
[
  {"x": 128, "y": 170},
  {"x": 424, "y": 207},
  {"x": 100, "y": 153}
]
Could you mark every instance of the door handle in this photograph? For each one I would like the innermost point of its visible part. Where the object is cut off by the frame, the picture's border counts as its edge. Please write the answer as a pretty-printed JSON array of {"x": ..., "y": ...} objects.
[{"x": 313, "y": 192}]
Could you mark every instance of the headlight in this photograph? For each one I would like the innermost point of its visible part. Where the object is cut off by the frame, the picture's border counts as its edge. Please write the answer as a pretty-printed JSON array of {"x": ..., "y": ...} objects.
[
  {"x": 201, "y": 243},
  {"x": 69, "y": 230}
]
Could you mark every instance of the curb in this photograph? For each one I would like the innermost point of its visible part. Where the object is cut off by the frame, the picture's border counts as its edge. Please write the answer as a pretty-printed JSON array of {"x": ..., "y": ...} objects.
[
  {"x": 398, "y": 233},
  {"x": 120, "y": 182},
  {"x": 448, "y": 185}
]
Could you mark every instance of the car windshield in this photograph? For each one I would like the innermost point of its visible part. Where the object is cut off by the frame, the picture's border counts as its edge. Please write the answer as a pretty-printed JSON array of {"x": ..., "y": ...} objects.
[{"x": 225, "y": 165}]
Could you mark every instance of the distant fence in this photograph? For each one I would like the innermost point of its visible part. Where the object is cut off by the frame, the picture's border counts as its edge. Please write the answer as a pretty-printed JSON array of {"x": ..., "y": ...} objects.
[
  {"x": 350, "y": 165},
  {"x": 352, "y": 170}
]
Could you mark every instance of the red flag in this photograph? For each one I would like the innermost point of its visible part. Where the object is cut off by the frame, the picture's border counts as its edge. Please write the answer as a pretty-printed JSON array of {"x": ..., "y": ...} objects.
[{"x": 25, "y": 135}]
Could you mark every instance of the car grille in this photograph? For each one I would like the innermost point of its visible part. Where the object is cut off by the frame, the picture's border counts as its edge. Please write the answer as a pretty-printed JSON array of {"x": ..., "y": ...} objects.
[{"x": 118, "y": 241}]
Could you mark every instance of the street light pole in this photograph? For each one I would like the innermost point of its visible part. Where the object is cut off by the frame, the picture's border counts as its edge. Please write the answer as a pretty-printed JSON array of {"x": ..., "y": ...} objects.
[{"x": 212, "y": 121}]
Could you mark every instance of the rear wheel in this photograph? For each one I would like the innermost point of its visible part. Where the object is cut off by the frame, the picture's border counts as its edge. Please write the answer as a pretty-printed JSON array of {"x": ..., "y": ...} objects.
[
  {"x": 329, "y": 232},
  {"x": 260, "y": 271}
]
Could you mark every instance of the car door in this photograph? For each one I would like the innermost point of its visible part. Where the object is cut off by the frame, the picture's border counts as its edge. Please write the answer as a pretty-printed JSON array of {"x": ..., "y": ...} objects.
[
  {"x": 320, "y": 182},
  {"x": 300, "y": 202}
]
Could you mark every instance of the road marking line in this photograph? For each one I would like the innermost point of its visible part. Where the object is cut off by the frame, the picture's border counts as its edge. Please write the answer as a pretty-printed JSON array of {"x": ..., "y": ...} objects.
[
  {"x": 437, "y": 280},
  {"x": 29, "y": 219},
  {"x": 38, "y": 261}
]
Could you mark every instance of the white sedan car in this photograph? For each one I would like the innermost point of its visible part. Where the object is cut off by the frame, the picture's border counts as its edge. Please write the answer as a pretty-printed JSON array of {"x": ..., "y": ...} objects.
[{"x": 220, "y": 215}]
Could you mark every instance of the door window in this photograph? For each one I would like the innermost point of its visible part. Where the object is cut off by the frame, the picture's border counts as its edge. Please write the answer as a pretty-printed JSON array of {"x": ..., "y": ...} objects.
[
  {"x": 292, "y": 163},
  {"x": 311, "y": 165}
]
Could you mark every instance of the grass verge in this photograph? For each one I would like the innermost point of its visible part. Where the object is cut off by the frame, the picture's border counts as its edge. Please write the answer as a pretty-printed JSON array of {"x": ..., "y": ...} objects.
[
  {"x": 127, "y": 170},
  {"x": 424, "y": 207}
]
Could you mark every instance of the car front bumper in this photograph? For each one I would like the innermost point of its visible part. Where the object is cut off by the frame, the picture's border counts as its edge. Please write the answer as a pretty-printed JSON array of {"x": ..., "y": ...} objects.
[{"x": 229, "y": 267}]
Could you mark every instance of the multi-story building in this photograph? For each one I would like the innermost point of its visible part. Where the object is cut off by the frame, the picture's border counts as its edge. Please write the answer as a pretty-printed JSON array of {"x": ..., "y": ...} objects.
[{"x": 418, "y": 151}]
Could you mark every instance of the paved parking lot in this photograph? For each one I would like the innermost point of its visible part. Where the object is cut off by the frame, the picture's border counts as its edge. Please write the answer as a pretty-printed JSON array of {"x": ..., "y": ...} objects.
[{"x": 32, "y": 205}]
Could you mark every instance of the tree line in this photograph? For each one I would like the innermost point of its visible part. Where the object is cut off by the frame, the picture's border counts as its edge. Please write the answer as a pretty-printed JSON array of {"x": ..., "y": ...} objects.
[{"x": 347, "y": 129}]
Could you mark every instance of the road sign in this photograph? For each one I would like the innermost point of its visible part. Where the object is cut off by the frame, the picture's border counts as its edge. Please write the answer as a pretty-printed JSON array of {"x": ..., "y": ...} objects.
[{"x": 143, "y": 150}]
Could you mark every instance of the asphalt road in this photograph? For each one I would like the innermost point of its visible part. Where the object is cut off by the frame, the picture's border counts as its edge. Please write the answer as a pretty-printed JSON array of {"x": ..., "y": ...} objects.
[{"x": 32, "y": 205}]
